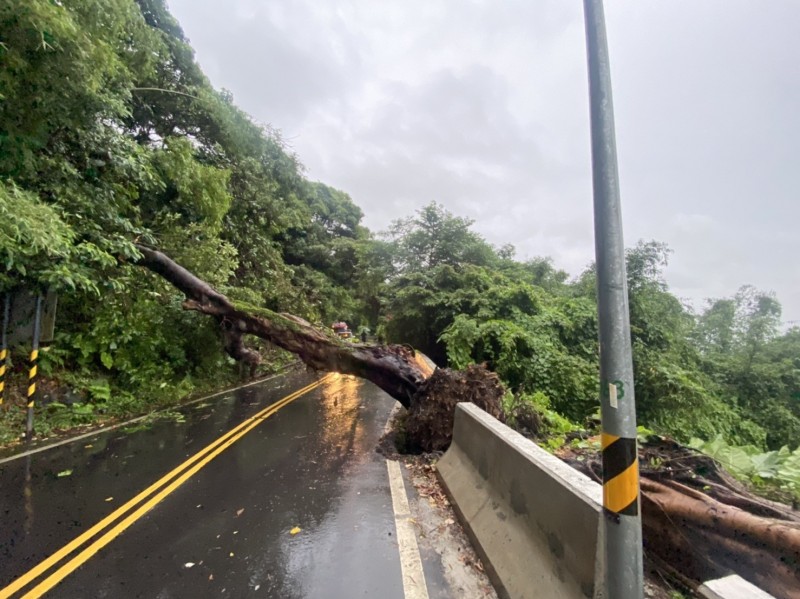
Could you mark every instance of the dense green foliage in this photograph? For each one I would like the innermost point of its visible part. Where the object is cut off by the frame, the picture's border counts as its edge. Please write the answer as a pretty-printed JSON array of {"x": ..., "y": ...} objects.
[
  {"x": 727, "y": 372},
  {"x": 111, "y": 135},
  {"x": 777, "y": 469}
]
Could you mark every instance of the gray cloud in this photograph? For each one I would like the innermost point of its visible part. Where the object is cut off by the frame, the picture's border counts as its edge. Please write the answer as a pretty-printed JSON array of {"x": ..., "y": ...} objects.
[
  {"x": 278, "y": 78},
  {"x": 483, "y": 106}
]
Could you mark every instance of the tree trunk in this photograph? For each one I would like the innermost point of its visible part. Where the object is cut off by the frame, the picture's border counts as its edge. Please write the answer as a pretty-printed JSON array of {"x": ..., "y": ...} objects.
[
  {"x": 397, "y": 369},
  {"x": 710, "y": 539},
  {"x": 394, "y": 368}
]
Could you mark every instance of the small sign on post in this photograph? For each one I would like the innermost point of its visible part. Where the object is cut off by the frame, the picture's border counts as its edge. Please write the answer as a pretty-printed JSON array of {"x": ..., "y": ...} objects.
[{"x": 22, "y": 316}]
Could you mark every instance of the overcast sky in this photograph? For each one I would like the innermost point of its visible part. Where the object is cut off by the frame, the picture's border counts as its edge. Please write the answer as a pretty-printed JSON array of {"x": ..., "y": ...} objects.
[{"x": 483, "y": 107}]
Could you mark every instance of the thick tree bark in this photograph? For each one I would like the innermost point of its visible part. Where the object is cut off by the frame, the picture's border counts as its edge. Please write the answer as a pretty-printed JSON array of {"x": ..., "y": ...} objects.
[
  {"x": 710, "y": 539},
  {"x": 394, "y": 368}
]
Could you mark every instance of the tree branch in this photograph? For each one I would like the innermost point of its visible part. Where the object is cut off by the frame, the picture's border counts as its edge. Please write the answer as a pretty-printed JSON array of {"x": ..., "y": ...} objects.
[{"x": 393, "y": 368}]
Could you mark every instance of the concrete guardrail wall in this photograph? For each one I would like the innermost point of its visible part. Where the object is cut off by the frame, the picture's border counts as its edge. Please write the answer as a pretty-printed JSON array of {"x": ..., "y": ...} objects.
[{"x": 534, "y": 520}]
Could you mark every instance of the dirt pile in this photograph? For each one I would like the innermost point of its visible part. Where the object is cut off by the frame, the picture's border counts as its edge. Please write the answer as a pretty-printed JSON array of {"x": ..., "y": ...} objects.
[{"x": 429, "y": 423}]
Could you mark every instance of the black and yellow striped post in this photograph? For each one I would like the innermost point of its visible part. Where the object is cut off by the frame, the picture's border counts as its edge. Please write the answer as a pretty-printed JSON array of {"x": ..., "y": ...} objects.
[
  {"x": 620, "y": 475},
  {"x": 622, "y": 526},
  {"x": 33, "y": 367},
  {"x": 4, "y": 347}
]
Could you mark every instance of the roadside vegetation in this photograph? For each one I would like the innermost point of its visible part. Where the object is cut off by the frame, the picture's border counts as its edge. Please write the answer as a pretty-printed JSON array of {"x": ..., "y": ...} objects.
[{"x": 111, "y": 136}]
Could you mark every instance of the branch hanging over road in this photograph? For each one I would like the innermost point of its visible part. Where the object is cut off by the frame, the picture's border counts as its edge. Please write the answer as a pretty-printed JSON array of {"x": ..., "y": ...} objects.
[{"x": 394, "y": 368}]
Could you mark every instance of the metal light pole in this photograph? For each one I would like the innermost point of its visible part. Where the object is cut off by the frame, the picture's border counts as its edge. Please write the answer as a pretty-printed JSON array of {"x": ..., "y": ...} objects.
[{"x": 622, "y": 521}]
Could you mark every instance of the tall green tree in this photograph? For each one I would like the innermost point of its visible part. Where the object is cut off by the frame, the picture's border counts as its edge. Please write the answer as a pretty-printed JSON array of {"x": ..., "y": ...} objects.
[
  {"x": 111, "y": 135},
  {"x": 755, "y": 366}
]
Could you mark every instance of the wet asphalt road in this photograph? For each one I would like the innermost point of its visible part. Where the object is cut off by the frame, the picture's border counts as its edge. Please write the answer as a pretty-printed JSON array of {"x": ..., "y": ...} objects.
[{"x": 311, "y": 465}]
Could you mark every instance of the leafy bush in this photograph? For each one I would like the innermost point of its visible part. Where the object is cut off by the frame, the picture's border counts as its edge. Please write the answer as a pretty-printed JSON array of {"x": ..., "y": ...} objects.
[
  {"x": 532, "y": 414},
  {"x": 779, "y": 468}
]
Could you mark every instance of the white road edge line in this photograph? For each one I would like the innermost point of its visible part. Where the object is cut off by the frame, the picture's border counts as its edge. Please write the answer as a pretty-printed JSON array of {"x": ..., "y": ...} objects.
[
  {"x": 414, "y": 585},
  {"x": 105, "y": 429}
]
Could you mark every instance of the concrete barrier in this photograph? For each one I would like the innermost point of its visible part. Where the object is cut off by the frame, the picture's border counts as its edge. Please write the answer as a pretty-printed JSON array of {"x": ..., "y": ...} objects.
[
  {"x": 731, "y": 587},
  {"x": 534, "y": 520}
]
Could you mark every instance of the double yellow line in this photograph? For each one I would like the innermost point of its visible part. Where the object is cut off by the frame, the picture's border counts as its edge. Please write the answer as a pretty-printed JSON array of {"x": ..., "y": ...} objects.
[{"x": 169, "y": 482}]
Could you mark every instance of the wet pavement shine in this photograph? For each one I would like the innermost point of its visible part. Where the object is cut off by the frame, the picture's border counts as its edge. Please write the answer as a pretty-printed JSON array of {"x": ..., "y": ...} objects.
[{"x": 298, "y": 507}]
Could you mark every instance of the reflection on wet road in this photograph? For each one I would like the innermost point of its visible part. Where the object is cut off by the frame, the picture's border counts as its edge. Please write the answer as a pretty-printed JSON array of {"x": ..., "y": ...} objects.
[{"x": 297, "y": 507}]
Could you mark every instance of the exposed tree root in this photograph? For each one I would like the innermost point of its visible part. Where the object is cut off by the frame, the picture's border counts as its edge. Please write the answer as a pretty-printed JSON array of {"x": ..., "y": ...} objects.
[
  {"x": 429, "y": 426},
  {"x": 394, "y": 368}
]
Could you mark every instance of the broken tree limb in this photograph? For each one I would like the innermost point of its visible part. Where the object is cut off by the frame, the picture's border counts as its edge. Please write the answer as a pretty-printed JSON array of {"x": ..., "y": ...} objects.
[
  {"x": 429, "y": 395},
  {"x": 393, "y": 368}
]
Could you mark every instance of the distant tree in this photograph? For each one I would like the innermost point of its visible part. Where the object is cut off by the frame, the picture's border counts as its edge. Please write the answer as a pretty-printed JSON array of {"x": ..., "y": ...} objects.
[
  {"x": 754, "y": 366},
  {"x": 435, "y": 237}
]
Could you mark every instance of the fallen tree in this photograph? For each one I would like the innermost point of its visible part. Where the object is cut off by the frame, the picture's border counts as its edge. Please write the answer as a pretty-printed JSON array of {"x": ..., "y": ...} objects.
[
  {"x": 699, "y": 523},
  {"x": 397, "y": 369}
]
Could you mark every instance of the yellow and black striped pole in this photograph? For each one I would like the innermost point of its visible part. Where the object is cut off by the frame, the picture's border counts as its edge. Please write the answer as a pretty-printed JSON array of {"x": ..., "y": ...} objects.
[
  {"x": 33, "y": 367},
  {"x": 3, "y": 360},
  {"x": 620, "y": 475},
  {"x": 622, "y": 526},
  {"x": 4, "y": 347}
]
